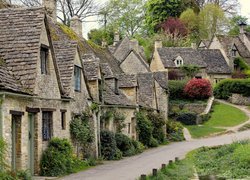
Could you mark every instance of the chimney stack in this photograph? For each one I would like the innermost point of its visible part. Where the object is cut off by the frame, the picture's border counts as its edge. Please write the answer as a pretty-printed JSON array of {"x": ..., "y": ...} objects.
[
  {"x": 76, "y": 25},
  {"x": 50, "y": 7},
  {"x": 158, "y": 44},
  {"x": 242, "y": 25},
  {"x": 116, "y": 38},
  {"x": 134, "y": 44}
]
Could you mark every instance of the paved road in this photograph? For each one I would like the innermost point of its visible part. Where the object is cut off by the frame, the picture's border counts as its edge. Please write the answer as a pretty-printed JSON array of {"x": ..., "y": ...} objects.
[{"x": 132, "y": 167}]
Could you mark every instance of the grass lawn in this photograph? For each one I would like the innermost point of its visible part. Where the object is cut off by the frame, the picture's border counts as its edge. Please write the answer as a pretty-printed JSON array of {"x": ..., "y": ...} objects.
[
  {"x": 226, "y": 116},
  {"x": 201, "y": 131},
  {"x": 222, "y": 116}
]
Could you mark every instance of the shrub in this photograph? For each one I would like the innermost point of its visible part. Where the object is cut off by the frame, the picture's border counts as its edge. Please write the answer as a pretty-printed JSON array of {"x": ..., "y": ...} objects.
[
  {"x": 187, "y": 118},
  {"x": 144, "y": 128},
  {"x": 139, "y": 147},
  {"x": 153, "y": 142},
  {"x": 124, "y": 143},
  {"x": 58, "y": 159},
  {"x": 176, "y": 89},
  {"x": 158, "y": 122},
  {"x": 225, "y": 88},
  {"x": 108, "y": 145},
  {"x": 198, "y": 89},
  {"x": 174, "y": 131},
  {"x": 3, "y": 147}
]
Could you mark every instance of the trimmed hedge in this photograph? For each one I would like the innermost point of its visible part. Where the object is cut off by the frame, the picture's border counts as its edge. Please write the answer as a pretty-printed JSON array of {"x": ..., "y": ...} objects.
[
  {"x": 225, "y": 88},
  {"x": 187, "y": 118},
  {"x": 176, "y": 89}
]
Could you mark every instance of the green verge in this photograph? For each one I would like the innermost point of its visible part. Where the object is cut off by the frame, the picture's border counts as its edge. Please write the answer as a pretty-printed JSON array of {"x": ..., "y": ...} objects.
[
  {"x": 223, "y": 115},
  {"x": 202, "y": 131}
]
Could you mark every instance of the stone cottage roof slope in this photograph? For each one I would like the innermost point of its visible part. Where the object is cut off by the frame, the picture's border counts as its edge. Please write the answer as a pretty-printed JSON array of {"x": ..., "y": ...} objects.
[
  {"x": 91, "y": 70},
  {"x": 127, "y": 80},
  {"x": 7, "y": 81},
  {"x": 111, "y": 98},
  {"x": 215, "y": 61},
  {"x": 65, "y": 52},
  {"x": 189, "y": 55},
  {"x": 145, "y": 89},
  {"x": 20, "y": 30},
  {"x": 162, "y": 78},
  {"x": 106, "y": 70}
]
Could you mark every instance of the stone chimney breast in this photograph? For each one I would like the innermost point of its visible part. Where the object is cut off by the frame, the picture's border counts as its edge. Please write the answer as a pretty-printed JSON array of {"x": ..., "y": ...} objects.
[
  {"x": 76, "y": 25},
  {"x": 158, "y": 44},
  {"x": 242, "y": 26},
  {"x": 50, "y": 7}
]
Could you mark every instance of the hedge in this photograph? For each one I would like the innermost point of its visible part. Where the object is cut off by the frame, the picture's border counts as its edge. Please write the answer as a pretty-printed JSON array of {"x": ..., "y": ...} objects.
[
  {"x": 225, "y": 88},
  {"x": 176, "y": 89}
]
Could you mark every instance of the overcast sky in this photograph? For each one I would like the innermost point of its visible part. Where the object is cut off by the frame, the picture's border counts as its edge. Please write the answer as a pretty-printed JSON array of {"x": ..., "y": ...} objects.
[{"x": 244, "y": 11}]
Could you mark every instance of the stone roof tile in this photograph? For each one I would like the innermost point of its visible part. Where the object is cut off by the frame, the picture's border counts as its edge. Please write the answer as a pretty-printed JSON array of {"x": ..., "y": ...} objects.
[{"x": 127, "y": 80}]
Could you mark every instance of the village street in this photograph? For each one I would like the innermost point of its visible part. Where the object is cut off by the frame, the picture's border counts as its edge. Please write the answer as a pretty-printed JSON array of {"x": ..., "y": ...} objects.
[{"x": 132, "y": 167}]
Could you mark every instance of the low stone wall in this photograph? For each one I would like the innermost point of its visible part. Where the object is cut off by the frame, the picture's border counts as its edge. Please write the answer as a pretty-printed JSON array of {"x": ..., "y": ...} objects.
[
  {"x": 240, "y": 100},
  {"x": 197, "y": 108}
]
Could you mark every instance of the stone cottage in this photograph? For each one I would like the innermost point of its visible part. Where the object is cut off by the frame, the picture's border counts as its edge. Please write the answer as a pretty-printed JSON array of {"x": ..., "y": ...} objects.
[{"x": 212, "y": 63}]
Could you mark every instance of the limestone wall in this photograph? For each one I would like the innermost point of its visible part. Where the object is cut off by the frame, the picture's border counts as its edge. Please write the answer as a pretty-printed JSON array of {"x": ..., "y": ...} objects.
[{"x": 240, "y": 100}]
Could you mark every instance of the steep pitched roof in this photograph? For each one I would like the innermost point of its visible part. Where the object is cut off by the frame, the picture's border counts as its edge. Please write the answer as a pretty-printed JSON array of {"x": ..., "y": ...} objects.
[
  {"x": 112, "y": 98},
  {"x": 162, "y": 78},
  {"x": 91, "y": 70},
  {"x": 216, "y": 63},
  {"x": 127, "y": 80},
  {"x": 122, "y": 49},
  {"x": 7, "y": 81},
  {"x": 65, "y": 52},
  {"x": 189, "y": 55},
  {"x": 20, "y": 30},
  {"x": 106, "y": 70},
  {"x": 145, "y": 91}
]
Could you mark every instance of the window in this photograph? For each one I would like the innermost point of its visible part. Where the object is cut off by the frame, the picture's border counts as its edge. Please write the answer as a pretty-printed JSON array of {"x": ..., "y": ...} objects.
[
  {"x": 63, "y": 120},
  {"x": 129, "y": 128},
  {"x": 47, "y": 125},
  {"x": 234, "y": 51},
  {"x": 116, "y": 86},
  {"x": 77, "y": 75},
  {"x": 178, "y": 61},
  {"x": 44, "y": 60}
]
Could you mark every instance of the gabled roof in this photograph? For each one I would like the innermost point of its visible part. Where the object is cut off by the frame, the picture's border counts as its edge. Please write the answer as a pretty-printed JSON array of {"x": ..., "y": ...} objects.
[
  {"x": 91, "y": 70},
  {"x": 65, "y": 52},
  {"x": 112, "y": 98},
  {"x": 122, "y": 49},
  {"x": 205, "y": 42},
  {"x": 216, "y": 63},
  {"x": 162, "y": 78},
  {"x": 20, "y": 30},
  {"x": 127, "y": 80},
  {"x": 106, "y": 70},
  {"x": 7, "y": 81},
  {"x": 145, "y": 93},
  {"x": 189, "y": 56}
]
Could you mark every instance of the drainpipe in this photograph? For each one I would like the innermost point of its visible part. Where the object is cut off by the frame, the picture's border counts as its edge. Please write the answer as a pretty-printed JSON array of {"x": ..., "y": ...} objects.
[{"x": 1, "y": 115}]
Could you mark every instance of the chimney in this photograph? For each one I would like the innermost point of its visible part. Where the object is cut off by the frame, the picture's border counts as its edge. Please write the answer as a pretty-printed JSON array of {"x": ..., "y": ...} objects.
[
  {"x": 116, "y": 38},
  {"x": 158, "y": 44},
  {"x": 50, "y": 7},
  {"x": 76, "y": 25},
  {"x": 133, "y": 44},
  {"x": 242, "y": 25},
  {"x": 193, "y": 46},
  {"x": 104, "y": 43}
]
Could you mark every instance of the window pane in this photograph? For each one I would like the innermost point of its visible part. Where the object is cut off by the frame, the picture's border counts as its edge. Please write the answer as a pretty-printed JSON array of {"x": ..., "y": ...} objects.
[
  {"x": 77, "y": 74},
  {"x": 44, "y": 59},
  {"x": 46, "y": 125}
]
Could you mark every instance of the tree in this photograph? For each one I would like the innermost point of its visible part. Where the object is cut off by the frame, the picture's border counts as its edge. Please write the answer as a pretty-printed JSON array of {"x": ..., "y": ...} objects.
[
  {"x": 126, "y": 16},
  {"x": 68, "y": 8},
  {"x": 99, "y": 35},
  {"x": 190, "y": 70},
  {"x": 158, "y": 11}
]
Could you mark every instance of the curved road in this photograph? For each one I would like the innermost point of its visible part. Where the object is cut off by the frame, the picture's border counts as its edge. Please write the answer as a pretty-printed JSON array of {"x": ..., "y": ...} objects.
[{"x": 132, "y": 167}]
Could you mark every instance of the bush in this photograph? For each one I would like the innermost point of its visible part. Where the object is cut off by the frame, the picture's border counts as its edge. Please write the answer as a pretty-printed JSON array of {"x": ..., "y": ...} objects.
[
  {"x": 58, "y": 159},
  {"x": 174, "y": 131},
  {"x": 187, "y": 118},
  {"x": 3, "y": 147},
  {"x": 153, "y": 142},
  {"x": 139, "y": 147},
  {"x": 144, "y": 128},
  {"x": 198, "y": 89},
  {"x": 158, "y": 122},
  {"x": 124, "y": 143},
  {"x": 176, "y": 89},
  {"x": 225, "y": 88},
  {"x": 109, "y": 149}
]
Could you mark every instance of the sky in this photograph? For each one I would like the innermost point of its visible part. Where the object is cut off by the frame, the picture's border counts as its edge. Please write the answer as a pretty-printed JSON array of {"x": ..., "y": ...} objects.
[{"x": 244, "y": 11}]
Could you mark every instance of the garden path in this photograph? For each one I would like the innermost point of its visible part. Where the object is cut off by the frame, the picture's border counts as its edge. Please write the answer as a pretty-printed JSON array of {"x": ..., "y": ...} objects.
[{"x": 132, "y": 167}]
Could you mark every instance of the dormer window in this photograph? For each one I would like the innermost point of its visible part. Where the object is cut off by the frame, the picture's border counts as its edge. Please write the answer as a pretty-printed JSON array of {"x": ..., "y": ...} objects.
[
  {"x": 44, "y": 53},
  {"x": 77, "y": 77},
  {"x": 178, "y": 61},
  {"x": 234, "y": 51}
]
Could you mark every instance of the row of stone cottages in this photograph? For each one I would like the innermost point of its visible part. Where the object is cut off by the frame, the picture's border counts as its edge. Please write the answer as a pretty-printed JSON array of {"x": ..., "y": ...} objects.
[{"x": 49, "y": 74}]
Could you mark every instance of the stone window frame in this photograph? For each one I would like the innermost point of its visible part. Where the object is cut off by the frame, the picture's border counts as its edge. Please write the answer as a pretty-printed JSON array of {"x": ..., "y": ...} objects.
[
  {"x": 47, "y": 125},
  {"x": 44, "y": 59},
  {"x": 77, "y": 78},
  {"x": 63, "y": 119}
]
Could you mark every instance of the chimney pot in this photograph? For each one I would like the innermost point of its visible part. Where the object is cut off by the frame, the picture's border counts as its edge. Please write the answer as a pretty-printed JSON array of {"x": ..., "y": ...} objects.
[
  {"x": 76, "y": 25},
  {"x": 242, "y": 26}
]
